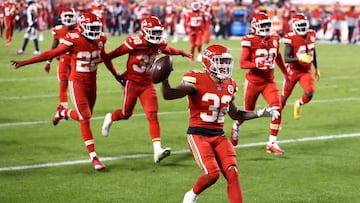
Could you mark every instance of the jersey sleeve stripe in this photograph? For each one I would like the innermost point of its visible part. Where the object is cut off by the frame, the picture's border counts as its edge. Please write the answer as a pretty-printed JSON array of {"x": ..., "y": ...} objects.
[{"x": 189, "y": 79}]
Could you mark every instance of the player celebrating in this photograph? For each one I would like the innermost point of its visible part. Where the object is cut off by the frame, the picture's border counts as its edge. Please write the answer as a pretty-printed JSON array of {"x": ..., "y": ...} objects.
[
  {"x": 68, "y": 20},
  {"x": 194, "y": 23},
  {"x": 260, "y": 52},
  {"x": 86, "y": 47},
  {"x": 142, "y": 50},
  {"x": 211, "y": 95},
  {"x": 299, "y": 54}
]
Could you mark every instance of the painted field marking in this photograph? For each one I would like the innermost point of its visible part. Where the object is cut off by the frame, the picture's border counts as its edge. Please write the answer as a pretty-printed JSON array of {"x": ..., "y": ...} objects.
[{"x": 136, "y": 156}]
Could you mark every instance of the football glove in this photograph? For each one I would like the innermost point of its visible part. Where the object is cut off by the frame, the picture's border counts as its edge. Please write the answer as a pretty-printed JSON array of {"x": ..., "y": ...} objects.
[
  {"x": 47, "y": 67},
  {"x": 317, "y": 74},
  {"x": 269, "y": 112},
  {"x": 263, "y": 64},
  {"x": 306, "y": 58}
]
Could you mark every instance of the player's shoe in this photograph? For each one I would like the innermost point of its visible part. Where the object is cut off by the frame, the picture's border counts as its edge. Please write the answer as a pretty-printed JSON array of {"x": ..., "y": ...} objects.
[
  {"x": 274, "y": 148},
  {"x": 20, "y": 52},
  {"x": 97, "y": 164},
  {"x": 234, "y": 134},
  {"x": 58, "y": 115},
  {"x": 106, "y": 125},
  {"x": 158, "y": 156},
  {"x": 190, "y": 197},
  {"x": 199, "y": 58},
  {"x": 296, "y": 111},
  {"x": 36, "y": 53}
]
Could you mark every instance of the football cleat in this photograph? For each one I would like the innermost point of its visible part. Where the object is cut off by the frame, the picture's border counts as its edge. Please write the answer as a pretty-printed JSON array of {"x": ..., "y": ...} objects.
[
  {"x": 97, "y": 164},
  {"x": 190, "y": 197},
  {"x": 234, "y": 134},
  {"x": 58, "y": 115},
  {"x": 35, "y": 53},
  {"x": 106, "y": 125},
  {"x": 274, "y": 148},
  {"x": 19, "y": 52},
  {"x": 296, "y": 110},
  {"x": 158, "y": 156}
]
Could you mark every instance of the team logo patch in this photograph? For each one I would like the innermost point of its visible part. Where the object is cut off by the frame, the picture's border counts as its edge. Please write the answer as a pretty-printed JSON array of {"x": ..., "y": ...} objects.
[
  {"x": 100, "y": 44},
  {"x": 231, "y": 89},
  {"x": 275, "y": 43}
]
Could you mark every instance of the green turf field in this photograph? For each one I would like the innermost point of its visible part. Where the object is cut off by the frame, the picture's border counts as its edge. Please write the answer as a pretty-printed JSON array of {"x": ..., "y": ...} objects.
[{"x": 43, "y": 163}]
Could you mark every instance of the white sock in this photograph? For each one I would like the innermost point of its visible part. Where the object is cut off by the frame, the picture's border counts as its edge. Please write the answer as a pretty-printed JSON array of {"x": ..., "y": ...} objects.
[
  {"x": 157, "y": 146},
  {"x": 272, "y": 139},
  {"x": 92, "y": 155}
]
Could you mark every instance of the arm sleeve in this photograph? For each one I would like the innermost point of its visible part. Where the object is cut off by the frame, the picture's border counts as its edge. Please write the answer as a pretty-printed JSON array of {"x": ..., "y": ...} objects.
[
  {"x": 49, "y": 54},
  {"x": 108, "y": 63},
  {"x": 245, "y": 59},
  {"x": 121, "y": 50},
  {"x": 314, "y": 60},
  {"x": 172, "y": 51}
]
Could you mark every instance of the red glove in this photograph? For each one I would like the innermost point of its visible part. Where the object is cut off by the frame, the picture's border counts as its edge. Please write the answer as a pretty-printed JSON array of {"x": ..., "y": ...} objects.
[
  {"x": 18, "y": 64},
  {"x": 47, "y": 67}
]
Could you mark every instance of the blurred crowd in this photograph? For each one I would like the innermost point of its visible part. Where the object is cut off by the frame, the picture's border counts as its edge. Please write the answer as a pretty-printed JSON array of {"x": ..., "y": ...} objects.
[{"x": 124, "y": 16}]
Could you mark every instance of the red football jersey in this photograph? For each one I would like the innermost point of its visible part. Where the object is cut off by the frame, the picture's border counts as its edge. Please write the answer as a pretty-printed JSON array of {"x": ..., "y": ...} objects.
[
  {"x": 9, "y": 9},
  {"x": 141, "y": 56},
  {"x": 195, "y": 20},
  {"x": 261, "y": 48},
  {"x": 301, "y": 46},
  {"x": 85, "y": 55},
  {"x": 211, "y": 101}
]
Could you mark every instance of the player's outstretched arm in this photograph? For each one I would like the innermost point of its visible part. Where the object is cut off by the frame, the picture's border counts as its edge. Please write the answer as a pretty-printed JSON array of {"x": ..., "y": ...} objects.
[
  {"x": 173, "y": 51},
  {"x": 180, "y": 91}
]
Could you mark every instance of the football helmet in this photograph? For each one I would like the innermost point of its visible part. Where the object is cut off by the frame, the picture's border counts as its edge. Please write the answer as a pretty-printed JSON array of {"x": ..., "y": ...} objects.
[
  {"x": 90, "y": 26},
  {"x": 68, "y": 17},
  {"x": 261, "y": 24},
  {"x": 195, "y": 5},
  {"x": 217, "y": 61},
  {"x": 152, "y": 30},
  {"x": 300, "y": 24}
]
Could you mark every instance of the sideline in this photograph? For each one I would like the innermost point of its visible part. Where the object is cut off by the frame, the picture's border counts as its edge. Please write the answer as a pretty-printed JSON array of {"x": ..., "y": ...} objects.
[{"x": 136, "y": 156}]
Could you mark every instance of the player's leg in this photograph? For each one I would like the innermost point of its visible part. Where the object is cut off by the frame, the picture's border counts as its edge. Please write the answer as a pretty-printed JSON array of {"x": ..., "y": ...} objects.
[
  {"x": 203, "y": 153},
  {"x": 149, "y": 102},
  {"x": 307, "y": 82},
  {"x": 129, "y": 94},
  {"x": 199, "y": 42},
  {"x": 228, "y": 164},
  {"x": 63, "y": 72},
  {"x": 272, "y": 96}
]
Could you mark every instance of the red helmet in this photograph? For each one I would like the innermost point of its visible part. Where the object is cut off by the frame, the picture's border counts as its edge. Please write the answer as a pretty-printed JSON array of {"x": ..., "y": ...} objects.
[
  {"x": 153, "y": 30},
  {"x": 218, "y": 61},
  {"x": 68, "y": 17},
  {"x": 300, "y": 24},
  {"x": 261, "y": 24},
  {"x": 90, "y": 26}
]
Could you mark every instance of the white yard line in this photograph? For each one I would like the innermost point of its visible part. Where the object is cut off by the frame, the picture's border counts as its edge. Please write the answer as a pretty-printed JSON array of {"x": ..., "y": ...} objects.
[{"x": 136, "y": 156}]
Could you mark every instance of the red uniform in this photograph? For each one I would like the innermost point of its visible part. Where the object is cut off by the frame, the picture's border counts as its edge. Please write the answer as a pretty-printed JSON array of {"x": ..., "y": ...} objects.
[
  {"x": 300, "y": 72},
  {"x": 260, "y": 80},
  {"x": 208, "y": 22},
  {"x": 170, "y": 18},
  {"x": 9, "y": 16},
  {"x": 194, "y": 24},
  {"x": 211, "y": 149},
  {"x": 138, "y": 84}
]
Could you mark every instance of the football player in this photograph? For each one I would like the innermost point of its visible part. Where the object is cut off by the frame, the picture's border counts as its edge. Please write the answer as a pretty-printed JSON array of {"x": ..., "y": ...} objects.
[
  {"x": 86, "y": 48},
  {"x": 194, "y": 22},
  {"x": 9, "y": 16},
  {"x": 68, "y": 20},
  {"x": 142, "y": 50},
  {"x": 299, "y": 55},
  {"x": 32, "y": 29},
  {"x": 260, "y": 52},
  {"x": 211, "y": 95}
]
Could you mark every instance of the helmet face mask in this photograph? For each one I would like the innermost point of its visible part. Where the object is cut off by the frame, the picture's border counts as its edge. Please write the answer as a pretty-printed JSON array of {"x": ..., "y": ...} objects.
[
  {"x": 261, "y": 24},
  {"x": 91, "y": 26},
  {"x": 218, "y": 62},
  {"x": 153, "y": 30},
  {"x": 300, "y": 24},
  {"x": 68, "y": 17},
  {"x": 195, "y": 5}
]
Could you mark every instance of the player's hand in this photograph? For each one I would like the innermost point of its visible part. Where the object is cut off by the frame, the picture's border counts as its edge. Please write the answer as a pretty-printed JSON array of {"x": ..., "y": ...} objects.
[
  {"x": 121, "y": 78},
  {"x": 263, "y": 64},
  {"x": 269, "y": 112},
  {"x": 47, "y": 67},
  {"x": 18, "y": 64},
  {"x": 185, "y": 54},
  {"x": 317, "y": 74},
  {"x": 306, "y": 58}
]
